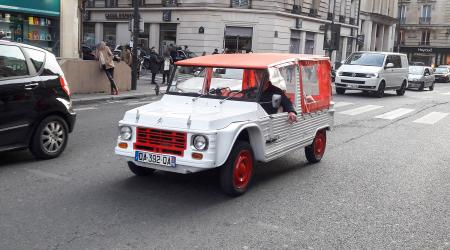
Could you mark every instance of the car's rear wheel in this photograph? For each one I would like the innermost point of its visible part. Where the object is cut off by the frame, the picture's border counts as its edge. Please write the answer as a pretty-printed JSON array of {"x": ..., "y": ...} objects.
[
  {"x": 432, "y": 87},
  {"x": 237, "y": 172},
  {"x": 402, "y": 90},
  {"x": 340, "y": 91},
  {"x": 380, "y": 91},
  {"x": 316, "y": 150},
  {"x": 50, "y": 138},
  {"x": 138, "y": 170}
]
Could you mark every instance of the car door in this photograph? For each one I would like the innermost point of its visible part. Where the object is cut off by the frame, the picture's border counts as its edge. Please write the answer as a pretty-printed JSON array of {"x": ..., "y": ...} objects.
[
  {"x": 389, "y": 73},
  {"x": 17, "y": 102}
]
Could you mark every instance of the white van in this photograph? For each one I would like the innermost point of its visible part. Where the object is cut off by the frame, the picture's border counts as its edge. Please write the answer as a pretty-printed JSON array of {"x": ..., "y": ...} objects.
[{"x": 374, "y": 72}]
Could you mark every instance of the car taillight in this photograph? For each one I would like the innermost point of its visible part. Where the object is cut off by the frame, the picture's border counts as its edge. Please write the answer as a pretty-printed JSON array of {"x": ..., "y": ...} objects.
[{"x": 64, "y": 85}]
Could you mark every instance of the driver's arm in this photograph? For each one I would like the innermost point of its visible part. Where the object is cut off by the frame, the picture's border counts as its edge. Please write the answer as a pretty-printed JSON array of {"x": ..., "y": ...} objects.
[{"x": 287, "y": 104}]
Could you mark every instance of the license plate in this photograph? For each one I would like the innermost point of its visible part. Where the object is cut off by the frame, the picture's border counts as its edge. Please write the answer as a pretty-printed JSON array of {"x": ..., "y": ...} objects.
[{"x": 152, "y": 158}]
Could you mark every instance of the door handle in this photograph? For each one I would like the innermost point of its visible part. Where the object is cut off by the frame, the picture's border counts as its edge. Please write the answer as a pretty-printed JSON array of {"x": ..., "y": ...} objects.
[{"x": 31, "y": 86}]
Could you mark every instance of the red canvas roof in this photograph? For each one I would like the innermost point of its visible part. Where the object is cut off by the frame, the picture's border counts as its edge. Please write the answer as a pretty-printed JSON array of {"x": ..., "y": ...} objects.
[{"x": 243, "y": 61}]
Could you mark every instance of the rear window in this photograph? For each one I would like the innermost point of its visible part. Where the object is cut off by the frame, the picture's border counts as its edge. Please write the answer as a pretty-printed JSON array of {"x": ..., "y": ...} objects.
[
  {"x": 12, "y": 62},
  {"x": 37, "y": 58}
]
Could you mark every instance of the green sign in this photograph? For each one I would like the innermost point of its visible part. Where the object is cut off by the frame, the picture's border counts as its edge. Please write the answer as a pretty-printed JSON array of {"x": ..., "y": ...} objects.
[{"x": 38, "y": 7}]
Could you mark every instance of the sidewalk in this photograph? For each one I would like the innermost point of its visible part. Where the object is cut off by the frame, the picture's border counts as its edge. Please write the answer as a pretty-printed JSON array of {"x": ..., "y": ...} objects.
[{"x": 144, "y": 89}]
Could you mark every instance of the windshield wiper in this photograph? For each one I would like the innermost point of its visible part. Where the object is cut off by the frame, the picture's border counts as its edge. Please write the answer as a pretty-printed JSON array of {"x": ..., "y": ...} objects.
[{"x": 230, "y": 96}]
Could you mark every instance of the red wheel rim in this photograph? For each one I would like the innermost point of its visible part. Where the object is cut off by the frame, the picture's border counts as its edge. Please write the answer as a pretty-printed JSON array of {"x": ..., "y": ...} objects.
[
  {"x": 243, "y": 168},
  {"x": 319, "y": 144}
]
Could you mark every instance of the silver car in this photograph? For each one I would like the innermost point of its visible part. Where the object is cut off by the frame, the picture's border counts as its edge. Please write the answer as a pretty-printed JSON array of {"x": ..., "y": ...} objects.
[{"x": 421, "y": 77}]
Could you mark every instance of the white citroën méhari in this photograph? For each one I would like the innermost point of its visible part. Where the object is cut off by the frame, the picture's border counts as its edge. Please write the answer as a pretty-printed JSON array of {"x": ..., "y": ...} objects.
[{"x": 217, "y": 117}]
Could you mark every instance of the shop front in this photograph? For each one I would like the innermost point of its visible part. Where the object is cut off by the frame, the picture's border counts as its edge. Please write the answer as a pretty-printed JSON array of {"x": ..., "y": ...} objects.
[
  {"x": 427, "y": 55},
  {"x": 31, "y": 22}
]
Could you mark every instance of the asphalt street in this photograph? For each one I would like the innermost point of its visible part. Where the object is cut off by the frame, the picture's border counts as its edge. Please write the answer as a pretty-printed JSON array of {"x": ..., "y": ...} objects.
[{"x": 383, "y": 184}]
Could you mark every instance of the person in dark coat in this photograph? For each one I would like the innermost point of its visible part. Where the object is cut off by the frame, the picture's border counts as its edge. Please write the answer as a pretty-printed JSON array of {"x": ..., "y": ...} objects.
[
  {"x": 266, "y": 101},
  {"x": 155, "y": 64}
]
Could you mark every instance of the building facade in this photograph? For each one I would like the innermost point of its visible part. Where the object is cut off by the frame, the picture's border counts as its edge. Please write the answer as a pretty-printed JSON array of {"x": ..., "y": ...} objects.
[
  {"x": 378, "y": 22},
  {"x": 424, "y": 32},
  {"x": 236, "y": 26}
]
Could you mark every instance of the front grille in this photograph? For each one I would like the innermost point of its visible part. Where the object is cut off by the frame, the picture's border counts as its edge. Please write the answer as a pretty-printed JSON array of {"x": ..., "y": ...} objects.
[
  {"x": 160, "y": 141},
  {"x": 352, "y": 81},
  {"x": 350, "y": 74}
]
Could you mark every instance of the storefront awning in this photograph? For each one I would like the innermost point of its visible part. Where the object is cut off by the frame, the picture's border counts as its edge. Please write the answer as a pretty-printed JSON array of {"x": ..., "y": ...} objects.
[{"x": 44, "y": 7}]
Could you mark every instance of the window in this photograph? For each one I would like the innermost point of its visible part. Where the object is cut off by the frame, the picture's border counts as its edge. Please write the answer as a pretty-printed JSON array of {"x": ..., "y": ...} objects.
[
  {"x": 12, "y": 62},
  {"x": 349, "y": 47},
  {"x": 309, "y": 80},
  {"x": 109, "y": 34},
  {"x": 402, "y": 14},
  {"x": 425, "y": 14},
  {"x": 238, "y": 39},
  {"x": 316, "y": 4},
  {"x": 396, "y": 60},
  {"x": 309, "y": 43},
  {"x": 290, "y": 74},
  {"x": 37, "y": 58},
  {"x": 295, "y": 42},
  {"x": 89, "y": 34},
  {"x": 425, "y": 37},
  {"x": 240, "y": 3}
]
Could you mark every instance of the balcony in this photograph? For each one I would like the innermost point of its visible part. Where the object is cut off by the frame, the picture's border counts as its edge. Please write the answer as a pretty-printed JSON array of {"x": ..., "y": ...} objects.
[
  {"x": 243, "y": 4},
  {"x": 424, "y": 20}
]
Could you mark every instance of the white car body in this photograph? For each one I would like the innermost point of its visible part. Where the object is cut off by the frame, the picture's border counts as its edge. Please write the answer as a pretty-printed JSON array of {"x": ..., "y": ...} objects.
[
  {"x": 425, "y": 79},
  {"x": 369, "y": 78}
]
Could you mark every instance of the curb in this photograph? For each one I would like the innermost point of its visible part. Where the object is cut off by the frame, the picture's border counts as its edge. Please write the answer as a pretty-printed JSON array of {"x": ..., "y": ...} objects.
[{"x": 95, "y": 99}]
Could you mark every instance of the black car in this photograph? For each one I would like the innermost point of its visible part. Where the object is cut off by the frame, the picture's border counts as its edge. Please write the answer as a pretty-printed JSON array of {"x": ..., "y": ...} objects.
[{"x": 35, "y": 107}]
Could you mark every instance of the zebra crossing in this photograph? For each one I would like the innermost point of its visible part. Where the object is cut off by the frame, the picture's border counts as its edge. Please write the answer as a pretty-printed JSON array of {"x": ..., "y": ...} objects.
[{"x": 352, "y": 109}]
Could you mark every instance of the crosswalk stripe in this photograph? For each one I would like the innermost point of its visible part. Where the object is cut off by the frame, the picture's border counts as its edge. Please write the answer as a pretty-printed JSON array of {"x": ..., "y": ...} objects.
[
  {"x": 431, "y": 118},
  {"x": 85, "y": 108},
  {"x": 342, "y": 104},
  {"x": 360, "y": 110},
  {"x": 446, "y": 93},
  {"x": 394, "y": 114}
]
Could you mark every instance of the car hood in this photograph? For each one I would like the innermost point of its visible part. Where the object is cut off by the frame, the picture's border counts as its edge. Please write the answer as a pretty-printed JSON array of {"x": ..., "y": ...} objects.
[
  {"x": 359, "y": 69},
  {"x": 414, "y": 77},
  {"x": 181, "y": 112}
]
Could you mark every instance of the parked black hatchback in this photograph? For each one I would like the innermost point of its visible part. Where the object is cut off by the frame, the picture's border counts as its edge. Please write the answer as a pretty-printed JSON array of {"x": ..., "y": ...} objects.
[{"x": 35, "y": 107}]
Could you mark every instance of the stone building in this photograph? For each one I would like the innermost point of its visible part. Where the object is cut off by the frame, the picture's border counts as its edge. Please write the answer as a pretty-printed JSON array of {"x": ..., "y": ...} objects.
[
  {"x": 424, "y": 32},
  {"x": 296, "y": 26},
  {"x": 378, "y": 22}
]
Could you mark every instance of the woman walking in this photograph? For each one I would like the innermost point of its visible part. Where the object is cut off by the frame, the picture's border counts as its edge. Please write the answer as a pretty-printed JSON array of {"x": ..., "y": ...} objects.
[{"x": 105, "y": 58}]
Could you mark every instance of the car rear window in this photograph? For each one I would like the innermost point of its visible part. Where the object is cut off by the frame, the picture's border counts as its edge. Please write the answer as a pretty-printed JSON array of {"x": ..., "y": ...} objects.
[
  {"x": 37, "y": 58},
  {"x": 12, "y": 62}
]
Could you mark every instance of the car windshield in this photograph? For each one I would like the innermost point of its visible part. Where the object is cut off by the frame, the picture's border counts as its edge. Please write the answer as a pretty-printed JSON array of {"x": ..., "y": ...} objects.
[
  {"x": 441, "y": 70},
  {"x": 221, "y": 83},
  {"x": 366, "y": 59},
  {"x": 416, "y": 70}
]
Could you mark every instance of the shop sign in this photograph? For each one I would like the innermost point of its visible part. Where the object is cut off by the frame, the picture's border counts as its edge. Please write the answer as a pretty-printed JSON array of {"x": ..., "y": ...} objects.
[
  {"x": 118, "y": 15},
  {"x": 425, "y": 50},
  {"x": 47, "y": 7}
]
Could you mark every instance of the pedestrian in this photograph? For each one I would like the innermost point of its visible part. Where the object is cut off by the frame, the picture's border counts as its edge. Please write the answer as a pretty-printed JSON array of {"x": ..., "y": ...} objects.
[
  {"x": 166, "y": 65},
  {"x": 173, "y": 52},
  {"x": 105, "y": 58},
  {"x": 155, "y": 64},
  {"x": 216, "y": 51},
  {"x": 126, "y": 55}
]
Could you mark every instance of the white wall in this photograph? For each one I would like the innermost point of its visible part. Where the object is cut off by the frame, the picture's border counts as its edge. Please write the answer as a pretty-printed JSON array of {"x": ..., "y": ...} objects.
[{"x": 69, "y": 29}]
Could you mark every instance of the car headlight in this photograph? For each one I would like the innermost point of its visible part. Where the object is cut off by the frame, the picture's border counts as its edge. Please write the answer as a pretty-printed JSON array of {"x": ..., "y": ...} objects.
[
  {"x": 372, "y": 75},
  {"x": 200, "y": 142},
  {"x": 125, "y": 133}
]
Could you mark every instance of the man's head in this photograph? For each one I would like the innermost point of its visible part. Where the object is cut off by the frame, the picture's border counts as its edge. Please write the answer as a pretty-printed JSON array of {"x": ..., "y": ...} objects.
[{"x": 266, "y": 85}]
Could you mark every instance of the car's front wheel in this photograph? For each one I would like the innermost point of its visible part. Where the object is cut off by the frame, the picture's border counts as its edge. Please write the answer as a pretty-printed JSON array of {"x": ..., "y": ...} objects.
[
  {"x": 432, "y": 87},
  {"x": 237, "y": 172},
  {"x": 380, "y": 91},
  {"x": 340, "y": 91},
  {"x": 50, "y": 138},
  {"x": 402, "y": 90}
]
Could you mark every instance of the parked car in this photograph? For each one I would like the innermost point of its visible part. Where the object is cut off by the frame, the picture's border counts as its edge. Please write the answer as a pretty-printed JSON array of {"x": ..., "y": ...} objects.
[
  {"x": 216, "y": 118},
  {"x": 442, "y": 74},
  {"x": 374, "y": 72},
  {"x": 421, "y": 77},
  {"x": 35, "y": 107},
  {"x": 88, "y": 53}
]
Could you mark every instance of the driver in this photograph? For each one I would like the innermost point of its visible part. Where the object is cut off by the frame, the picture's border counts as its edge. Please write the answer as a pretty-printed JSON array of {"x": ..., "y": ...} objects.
[{"x": 266, "y": 101}]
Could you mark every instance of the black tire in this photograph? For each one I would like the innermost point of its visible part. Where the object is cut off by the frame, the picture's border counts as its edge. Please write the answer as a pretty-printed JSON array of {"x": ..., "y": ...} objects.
[
  {"x": 380, "y": 92},
  {"x": 138, "y": 170},
  {"x": 50, "y": 138},
  {"x": 340, "y": 91},
  {"x": 402, "y": 90},
  {"x": 422, "y": 86},
  {"x": 235, "y": 178},
  {"x": 432, "y": 87},
  {"x": 314, "y": 152}
]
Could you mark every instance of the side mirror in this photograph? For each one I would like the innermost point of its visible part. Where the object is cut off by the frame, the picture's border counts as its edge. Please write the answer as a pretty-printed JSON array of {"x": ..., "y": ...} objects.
[
  {"x": 389, "y": 65},
  {"x": 276, "y": 101}
]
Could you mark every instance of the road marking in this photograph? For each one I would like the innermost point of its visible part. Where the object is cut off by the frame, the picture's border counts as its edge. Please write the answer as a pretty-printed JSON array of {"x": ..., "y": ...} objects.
[
  {"x": 41, "y": 173},
  {"x": 431, "y": 118},
  {"x": 138, "y": 103},
  {"x": 342, "y": 104},
  {"x": 394, "y": 114},
  {"x": 360, "y": 110},
  {"x": 446, "y": 93},
  {"x": 85, "y": 108}
]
